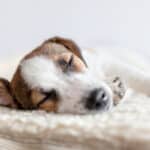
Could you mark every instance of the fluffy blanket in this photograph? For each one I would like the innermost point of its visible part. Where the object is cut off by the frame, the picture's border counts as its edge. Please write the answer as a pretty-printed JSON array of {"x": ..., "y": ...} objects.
[{"x": 126, "y": 127}]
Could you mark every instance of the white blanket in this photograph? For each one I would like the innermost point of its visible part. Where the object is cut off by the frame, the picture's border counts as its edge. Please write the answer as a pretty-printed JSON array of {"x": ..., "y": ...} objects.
[{"x": 126, "y": 127}]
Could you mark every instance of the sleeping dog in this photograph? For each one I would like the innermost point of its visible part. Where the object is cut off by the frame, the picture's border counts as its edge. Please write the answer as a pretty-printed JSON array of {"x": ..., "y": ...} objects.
[{"x": 58, "y": 77}]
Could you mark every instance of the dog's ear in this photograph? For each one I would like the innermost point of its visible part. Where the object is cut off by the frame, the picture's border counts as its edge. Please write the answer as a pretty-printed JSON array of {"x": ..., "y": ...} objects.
[
  {"x": 69, "y": 44},
  {"x": 6, "y": 96}
]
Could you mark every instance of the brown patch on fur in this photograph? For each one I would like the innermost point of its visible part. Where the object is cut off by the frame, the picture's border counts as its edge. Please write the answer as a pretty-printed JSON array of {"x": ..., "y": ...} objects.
[
  {"x": 62, "y": 44},
  {"x": 49, "y": 106},
  {"x": 6, "y": 98},
  {"x": 69, "y": 44},
  {"x": 21, "y": 91},
  {"x": 36, "y": 96}
]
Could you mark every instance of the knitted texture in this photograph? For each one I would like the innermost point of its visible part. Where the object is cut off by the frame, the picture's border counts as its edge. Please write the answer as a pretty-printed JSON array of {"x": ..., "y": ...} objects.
[{"x": 126, "y": 127}]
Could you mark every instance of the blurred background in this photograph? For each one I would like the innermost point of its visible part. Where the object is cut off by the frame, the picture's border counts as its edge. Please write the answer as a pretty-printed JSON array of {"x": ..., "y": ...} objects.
[{"x": 24, "y": 24}]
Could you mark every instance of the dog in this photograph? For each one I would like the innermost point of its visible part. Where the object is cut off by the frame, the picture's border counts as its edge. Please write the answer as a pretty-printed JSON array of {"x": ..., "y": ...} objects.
[{"x": 58, "y": 77}]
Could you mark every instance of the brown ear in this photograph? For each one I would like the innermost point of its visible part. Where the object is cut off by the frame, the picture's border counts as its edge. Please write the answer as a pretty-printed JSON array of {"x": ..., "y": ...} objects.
[
  {"x": 6, "y": 98},
  {"x": 69, "y": 44}
]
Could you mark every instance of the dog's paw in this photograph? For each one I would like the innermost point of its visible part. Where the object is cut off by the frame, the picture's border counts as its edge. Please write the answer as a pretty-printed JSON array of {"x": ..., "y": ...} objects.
[{"x": 118, "y": 87}]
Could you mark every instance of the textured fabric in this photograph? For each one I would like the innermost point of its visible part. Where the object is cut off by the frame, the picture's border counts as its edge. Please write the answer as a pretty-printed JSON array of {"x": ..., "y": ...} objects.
[{"x": 126, "y": 127}]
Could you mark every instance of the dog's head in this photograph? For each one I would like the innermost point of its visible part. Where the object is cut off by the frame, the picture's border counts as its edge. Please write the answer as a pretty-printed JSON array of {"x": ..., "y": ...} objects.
[{"x": 55, "y": 77}]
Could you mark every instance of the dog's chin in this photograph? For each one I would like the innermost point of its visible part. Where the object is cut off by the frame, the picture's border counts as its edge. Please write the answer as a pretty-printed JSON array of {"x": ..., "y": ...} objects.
[{"x": 85, "y": 111}]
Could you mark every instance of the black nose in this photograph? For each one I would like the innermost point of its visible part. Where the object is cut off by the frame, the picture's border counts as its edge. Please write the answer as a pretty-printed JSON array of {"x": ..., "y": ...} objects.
[{"x": 97, "y": 99}]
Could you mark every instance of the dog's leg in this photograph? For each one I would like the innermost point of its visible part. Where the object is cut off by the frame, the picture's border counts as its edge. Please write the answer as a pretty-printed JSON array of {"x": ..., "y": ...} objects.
[
  {"x": 118, "y": 88},
  {"x": 133, "y": 77}
]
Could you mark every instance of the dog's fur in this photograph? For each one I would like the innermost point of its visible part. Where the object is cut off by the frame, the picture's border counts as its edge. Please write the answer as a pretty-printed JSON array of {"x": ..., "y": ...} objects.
[{"x": 45, "y": 74}]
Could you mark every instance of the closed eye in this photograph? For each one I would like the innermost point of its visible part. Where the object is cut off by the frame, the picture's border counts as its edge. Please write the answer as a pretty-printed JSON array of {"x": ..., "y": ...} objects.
[
  {"x": 66, "y": 65},
  {"x": 70, "y": 62},
  {"x": 52, "y": 95}
]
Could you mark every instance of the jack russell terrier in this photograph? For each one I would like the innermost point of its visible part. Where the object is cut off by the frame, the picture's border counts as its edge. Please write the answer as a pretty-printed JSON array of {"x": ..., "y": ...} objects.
[{"x": 57, "y": 77}]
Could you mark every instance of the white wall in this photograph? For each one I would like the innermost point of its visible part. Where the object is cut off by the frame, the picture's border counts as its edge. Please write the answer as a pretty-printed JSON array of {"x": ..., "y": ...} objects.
[{"x": 26, "y": 23}]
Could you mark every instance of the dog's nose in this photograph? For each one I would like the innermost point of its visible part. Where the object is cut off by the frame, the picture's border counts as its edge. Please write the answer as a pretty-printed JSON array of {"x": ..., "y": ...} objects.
[{"x": 98, "y": 99}]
